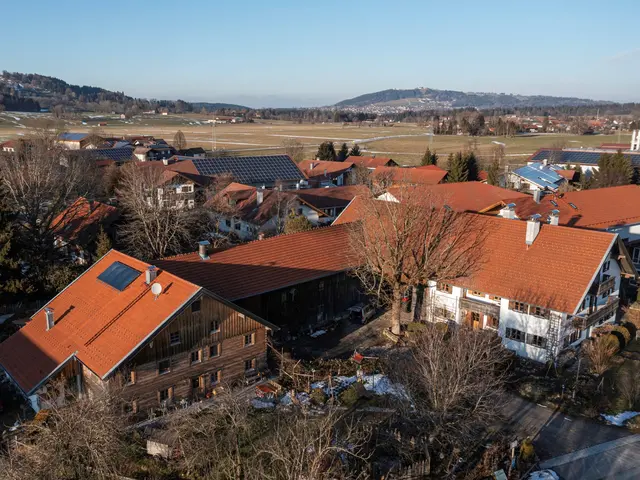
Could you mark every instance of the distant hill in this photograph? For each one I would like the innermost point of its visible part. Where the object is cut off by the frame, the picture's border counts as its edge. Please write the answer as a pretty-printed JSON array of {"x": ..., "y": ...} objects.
[
  {"x": 427, "y": 98},
  {"x": 31, "y": 92}
]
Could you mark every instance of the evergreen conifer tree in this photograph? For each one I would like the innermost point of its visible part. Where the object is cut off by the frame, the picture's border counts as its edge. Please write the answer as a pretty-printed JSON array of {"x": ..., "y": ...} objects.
[
  {"x": 343, "y": 153},
  {"x": 326, "y": 151},
  {"x": 103, "y": 243},
  {"x": 457, "y": 168},
  {"x": 355, "y": 151},
  {"x": 493, "y": 173},
  {"x": 429, "y": 158}
]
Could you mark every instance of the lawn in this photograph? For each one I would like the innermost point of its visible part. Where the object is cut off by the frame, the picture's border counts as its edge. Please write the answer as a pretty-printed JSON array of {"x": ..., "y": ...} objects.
[{"x": 404, "y": 142}]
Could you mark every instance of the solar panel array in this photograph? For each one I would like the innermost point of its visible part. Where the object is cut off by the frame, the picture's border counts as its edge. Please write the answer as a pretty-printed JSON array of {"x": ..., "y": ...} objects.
[
  {"x": 251, "y": 170},
  {"x": 72, "y": 136},
  {"x": 582, "y": 157},
  {"x": 539, "y": 174},
  {"x": 118, "y": 275},
  {"x": 123, "y": 154}
]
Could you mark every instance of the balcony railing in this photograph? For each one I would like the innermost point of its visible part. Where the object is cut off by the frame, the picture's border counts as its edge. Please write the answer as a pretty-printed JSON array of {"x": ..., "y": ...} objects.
[
  {"x": 601, "y": 287},
  {"x": 601, "y": 313},
  {"x": 477, "y": 306}
]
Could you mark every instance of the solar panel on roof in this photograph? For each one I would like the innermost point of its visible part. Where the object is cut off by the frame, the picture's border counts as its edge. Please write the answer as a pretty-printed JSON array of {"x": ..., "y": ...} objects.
[
  {"x": 118, "y": 275},
  {"x": 554, "y": 203},
  {"x": 251, "y": 170},
  {"x": 573, "y": 205}
]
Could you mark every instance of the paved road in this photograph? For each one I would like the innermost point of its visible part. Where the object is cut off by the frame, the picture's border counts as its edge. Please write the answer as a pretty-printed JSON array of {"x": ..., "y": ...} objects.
[
  {"x": 618, "y": 459},
  {"x": 553, "y": 432}
]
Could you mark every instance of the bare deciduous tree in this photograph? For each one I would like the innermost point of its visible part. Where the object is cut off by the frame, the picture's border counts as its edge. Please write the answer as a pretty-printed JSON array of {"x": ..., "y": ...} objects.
[
  {"x": 410, "y": 242},
  {"x": 282, "y": 204},
  {"x": 455, "y": 382},
  {"x": 304, "y": 447},
  {"x": 157, "y": 224},
  {"x": 82, "y": 439},
  {"x": 600, "y": 352},
  {"x": 41, "y": 179},
  {"x": 294, "y": 148},
  {"x": 179, "y": 140}
]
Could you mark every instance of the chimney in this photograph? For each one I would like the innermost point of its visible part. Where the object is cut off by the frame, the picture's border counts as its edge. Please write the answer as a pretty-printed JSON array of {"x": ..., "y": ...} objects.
[
  {"x": 537, "y": 196},
  {"x": 533, "y": 228},
  {"x": 312, "y": 166},
  {"x": 259, "y": 196},
  {"x": 545, "y": 162},
  {"x": 150, "y": 274},
  {"x": 260, "y": 235},
  {"x": 554, "y": 218},
  {"x": 203, "y": 249},
  {"x": 48, "y": 314},
  {"x": 509, "y": 211}
]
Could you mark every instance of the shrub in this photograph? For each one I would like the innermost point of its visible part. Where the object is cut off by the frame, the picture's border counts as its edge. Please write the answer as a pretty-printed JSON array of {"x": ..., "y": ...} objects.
[
  {"x": 625, "y": 332},
  {"x": 527, "y": 452},
  {"x": 351, "y": 395},
  {"x": 318, "y": 396}
]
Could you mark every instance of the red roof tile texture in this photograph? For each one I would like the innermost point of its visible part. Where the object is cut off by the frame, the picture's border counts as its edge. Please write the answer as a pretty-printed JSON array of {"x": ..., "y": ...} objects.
[
  {"x": 597, "y": 208},
  {"x": 372, "y": 162},
  {"x": 330, "y": 197},
  {"x": 412, "y": 176},
  {"x": 555, "y": 272},
  {"x": 94, "y": 321},
  {"x": 267, "y": 265},
  {"x": 320, "y": 168},
  {"x": 81, "y": 216}
]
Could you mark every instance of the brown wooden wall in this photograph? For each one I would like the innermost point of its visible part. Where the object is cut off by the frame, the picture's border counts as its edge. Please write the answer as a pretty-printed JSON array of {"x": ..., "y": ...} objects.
[{"x": 195, "y": 334}]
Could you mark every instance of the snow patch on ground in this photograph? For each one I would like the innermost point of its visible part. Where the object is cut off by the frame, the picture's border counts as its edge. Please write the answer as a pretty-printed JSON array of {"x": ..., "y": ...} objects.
[
  {"x": 378, "y": 384},
  {"x": 621, "y": 418},
  {"x": 260, "y": 404},
  {"x": 544, "y": 475}
]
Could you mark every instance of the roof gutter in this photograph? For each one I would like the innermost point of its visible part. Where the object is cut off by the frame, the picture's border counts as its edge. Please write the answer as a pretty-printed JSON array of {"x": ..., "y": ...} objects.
[{"x": 53, "y": 372}]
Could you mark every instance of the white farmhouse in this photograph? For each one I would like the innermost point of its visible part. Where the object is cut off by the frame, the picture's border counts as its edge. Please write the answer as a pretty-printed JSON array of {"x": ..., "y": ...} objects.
[{"x": 541, "y": 287}]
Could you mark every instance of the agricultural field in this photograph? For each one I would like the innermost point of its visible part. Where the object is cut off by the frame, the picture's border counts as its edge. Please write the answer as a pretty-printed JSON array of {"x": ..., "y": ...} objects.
[{"x": 405, "y": 143}]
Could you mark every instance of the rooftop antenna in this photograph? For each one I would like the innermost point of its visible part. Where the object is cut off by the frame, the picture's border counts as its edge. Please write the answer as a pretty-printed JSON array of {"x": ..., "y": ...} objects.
[{"x": 156, "y": 289}]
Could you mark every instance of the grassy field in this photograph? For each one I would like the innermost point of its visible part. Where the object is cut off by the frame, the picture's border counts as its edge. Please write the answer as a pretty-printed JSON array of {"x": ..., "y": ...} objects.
[{"x": 403, "y": 142}]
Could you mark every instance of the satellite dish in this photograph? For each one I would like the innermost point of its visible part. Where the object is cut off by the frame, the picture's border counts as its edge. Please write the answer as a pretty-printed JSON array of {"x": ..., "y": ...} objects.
[{"x": 156, "y": 289}]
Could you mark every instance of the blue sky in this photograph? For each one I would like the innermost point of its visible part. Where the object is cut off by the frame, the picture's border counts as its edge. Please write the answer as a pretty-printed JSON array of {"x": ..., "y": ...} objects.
[{"x": 283, "y": 53}]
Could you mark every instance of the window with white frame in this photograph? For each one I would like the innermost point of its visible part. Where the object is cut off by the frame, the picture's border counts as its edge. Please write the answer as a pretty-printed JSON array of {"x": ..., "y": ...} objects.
[{"x": 606, "y": 265}]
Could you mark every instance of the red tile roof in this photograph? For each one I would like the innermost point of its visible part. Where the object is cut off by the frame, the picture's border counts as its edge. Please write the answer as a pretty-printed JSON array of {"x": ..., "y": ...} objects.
[
  {"x": 83, "y": 217},
  {"x": 318, "y": 168},
  {"x": 554, "y": 272},
  {"x": 466, "y": 196},
  {"x": 267, "y": 265},
  {"x": 372, "y": 162},
  {"x": 569, "y": 175},
  {"x": 95, "y": 322},
  {"x": 413, "y": 176},
  {"x": 597, "y": 208}
]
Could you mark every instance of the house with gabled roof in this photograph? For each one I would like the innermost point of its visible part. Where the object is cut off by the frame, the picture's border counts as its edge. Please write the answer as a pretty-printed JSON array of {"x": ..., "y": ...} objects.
[
  {"x": 266, "y": 171},
  {"x": 78, "y": 141},
  {"x": 76, "y": 228},
  {"x": 249, "y": 211},
  {"x": 158, "y": 336},
  {"x": 537, "y": 176},
  {"x": 299, "y": 281},
  {"x": 323, "y": 173},
  {"x": 410, "y": 175},
  {"x": 540, "y": 287},
  {"x": 611, "y": 209},
  {"x": 371, "y": 162}
]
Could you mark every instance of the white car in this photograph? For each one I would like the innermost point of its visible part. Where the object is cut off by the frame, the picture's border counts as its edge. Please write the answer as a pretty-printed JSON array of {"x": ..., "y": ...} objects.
[{"x": 362, "y": 312}]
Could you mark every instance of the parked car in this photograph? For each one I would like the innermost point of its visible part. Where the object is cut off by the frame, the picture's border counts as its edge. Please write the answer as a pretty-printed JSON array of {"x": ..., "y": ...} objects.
[{"x": 362, "y": 312}]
